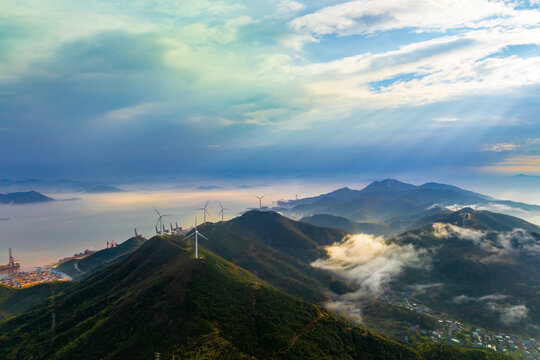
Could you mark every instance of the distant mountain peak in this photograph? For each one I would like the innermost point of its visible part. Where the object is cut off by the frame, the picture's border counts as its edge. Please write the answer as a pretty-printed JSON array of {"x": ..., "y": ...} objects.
[
  {"x": 389, "y": 185},
  {"x": 26, "y": 197}
]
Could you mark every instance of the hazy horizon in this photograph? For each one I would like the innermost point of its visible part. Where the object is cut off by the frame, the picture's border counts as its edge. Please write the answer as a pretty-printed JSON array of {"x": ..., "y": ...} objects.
[{"x": 43, "y": 233}]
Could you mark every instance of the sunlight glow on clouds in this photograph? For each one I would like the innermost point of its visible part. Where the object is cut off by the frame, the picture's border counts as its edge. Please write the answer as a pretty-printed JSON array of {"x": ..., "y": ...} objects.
[
  {"x": 367, "y": 17},
  {"x": 516, "y": 165},
  {"x": 225, "y": 70},
  {"x": 500, "y": 147}
]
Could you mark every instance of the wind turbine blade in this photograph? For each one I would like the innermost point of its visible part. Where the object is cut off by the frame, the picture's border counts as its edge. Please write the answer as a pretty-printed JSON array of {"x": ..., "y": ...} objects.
[
  {"x": 187, "y": 237},
  {"x": 157, "y": 211},
  {"x": 220, "y": 211},
  {"x": 221, "y": 206},
  {"x": 4, "y": 219},
  {"x": 206, "y": 204},
  {"x": 204, "y": 236}
]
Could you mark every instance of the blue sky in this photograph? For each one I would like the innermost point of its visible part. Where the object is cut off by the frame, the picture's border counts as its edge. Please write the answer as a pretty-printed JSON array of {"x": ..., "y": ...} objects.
[{"x": 123, "y": 89}]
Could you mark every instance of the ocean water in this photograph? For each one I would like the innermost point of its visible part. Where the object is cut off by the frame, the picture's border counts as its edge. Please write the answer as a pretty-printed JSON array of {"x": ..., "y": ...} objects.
[{"x": 40, "y": 234}]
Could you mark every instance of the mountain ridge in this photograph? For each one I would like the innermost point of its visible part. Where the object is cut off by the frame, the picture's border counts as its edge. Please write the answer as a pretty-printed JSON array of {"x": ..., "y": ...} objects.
[
  {"x": 381, "y": 201},
  {"x": 161, "y": 299}
]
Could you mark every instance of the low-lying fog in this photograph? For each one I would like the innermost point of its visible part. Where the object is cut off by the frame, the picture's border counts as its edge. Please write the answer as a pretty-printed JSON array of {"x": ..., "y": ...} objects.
[{"x": 43, "y": 233}]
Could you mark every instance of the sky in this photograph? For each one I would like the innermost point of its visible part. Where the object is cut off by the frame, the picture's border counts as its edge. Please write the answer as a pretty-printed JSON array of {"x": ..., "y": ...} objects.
[{"x": 112, "y": 90}]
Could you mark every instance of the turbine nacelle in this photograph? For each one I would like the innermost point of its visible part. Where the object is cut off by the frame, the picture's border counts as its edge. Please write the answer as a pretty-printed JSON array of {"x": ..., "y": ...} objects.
[
  {"x": 205, "y": 211},
  {"x": 260, "y": 200},
  {"x": 196, "y": 233},
  {"x": 160, "y": 220},
  {"x": 222, "y": 211}
]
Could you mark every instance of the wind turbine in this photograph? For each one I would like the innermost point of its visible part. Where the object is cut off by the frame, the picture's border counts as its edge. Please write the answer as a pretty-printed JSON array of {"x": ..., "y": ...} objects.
[
  {"x": 222, "y": 211},
  {"x": 205, "y": 211},
  {"x": 260, "y": 198},
  {"x": 160, "y": 219},
  {"x": 464, "y": 216},
  {"x": 197, "y": 234}
]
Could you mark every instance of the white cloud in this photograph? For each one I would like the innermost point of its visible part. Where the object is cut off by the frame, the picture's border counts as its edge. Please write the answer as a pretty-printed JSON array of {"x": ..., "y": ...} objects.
[
  {"x": 369, "y": 261},
  {"x": 443, "y": 68},
  {"x": 446, "y": 119},
  {"x": 498, "y": 245},
  {"x": 443, "y": 230},
  {"x": 131, "y": 112},
  {"x": 493, "y": 207},
  {"x": 461, "y": 299},
  {"x": 347, "y": 306},
  {"x": 509, "y": 314},
  {"x": 219, "y": 120},
  {"x": 421, "y": 288},
  {"x": 288, "y": 6},
  {"x": 204, "y": 43},
  {"x": 500, "y": 147},
  {"x": 222, "y": 34},
  {"x": 266, "y": 116},
  {"x": 369, "y": 16}
]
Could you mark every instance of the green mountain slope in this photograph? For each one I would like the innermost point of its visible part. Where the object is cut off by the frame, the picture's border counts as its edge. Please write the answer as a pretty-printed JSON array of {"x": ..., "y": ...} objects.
[
  {"x": 85, "y": 267},
  {"x": 160, "y": 299},
  {"x": 278, "y": 250},
  {"x": 488, "y": 272},
  {"x": 480, "y": 220},
  {"x": 339, "y": 222},
  {"x": 16, "y": 301}
]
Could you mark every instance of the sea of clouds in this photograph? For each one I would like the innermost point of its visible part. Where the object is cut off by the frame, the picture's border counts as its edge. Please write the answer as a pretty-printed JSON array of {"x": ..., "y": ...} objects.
[
  {"x": 371, "y": 263},
  {"x": 499, "y": 245}
]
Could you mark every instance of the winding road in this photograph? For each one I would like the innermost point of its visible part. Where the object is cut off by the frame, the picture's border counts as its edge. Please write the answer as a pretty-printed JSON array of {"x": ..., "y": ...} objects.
[
  {"x": 77, "y": 267},
  {"x": 293, "y": 339}
]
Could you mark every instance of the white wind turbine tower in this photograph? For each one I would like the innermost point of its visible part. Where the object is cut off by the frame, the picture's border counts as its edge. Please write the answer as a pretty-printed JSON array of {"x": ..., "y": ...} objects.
[
  {"x": 222, "y": 211},
  {"x": 160, "y": 220},
  {"x": 260, "y": 198},
  {"x": 205, "y": 211},
  {"x": 197, "y": 234}
]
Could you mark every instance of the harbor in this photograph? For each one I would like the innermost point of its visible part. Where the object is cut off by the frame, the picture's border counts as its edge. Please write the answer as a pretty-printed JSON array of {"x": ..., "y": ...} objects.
[
  {"x": 10, "y": 274},
  {"x": 23, "y": 279}
]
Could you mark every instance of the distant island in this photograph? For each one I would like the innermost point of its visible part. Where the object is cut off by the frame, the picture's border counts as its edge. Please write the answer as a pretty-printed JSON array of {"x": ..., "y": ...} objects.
[
  {"x": 62, "y": 185},
  {"x": 27, "y": 197}
]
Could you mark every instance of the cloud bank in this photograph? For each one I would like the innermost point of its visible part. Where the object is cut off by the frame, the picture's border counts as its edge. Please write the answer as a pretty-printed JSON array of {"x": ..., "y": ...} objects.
[
  {"x": 497, "y": 245},
  {"x": 369, "y": 261},
  {"x": 508, "y": 313}
]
